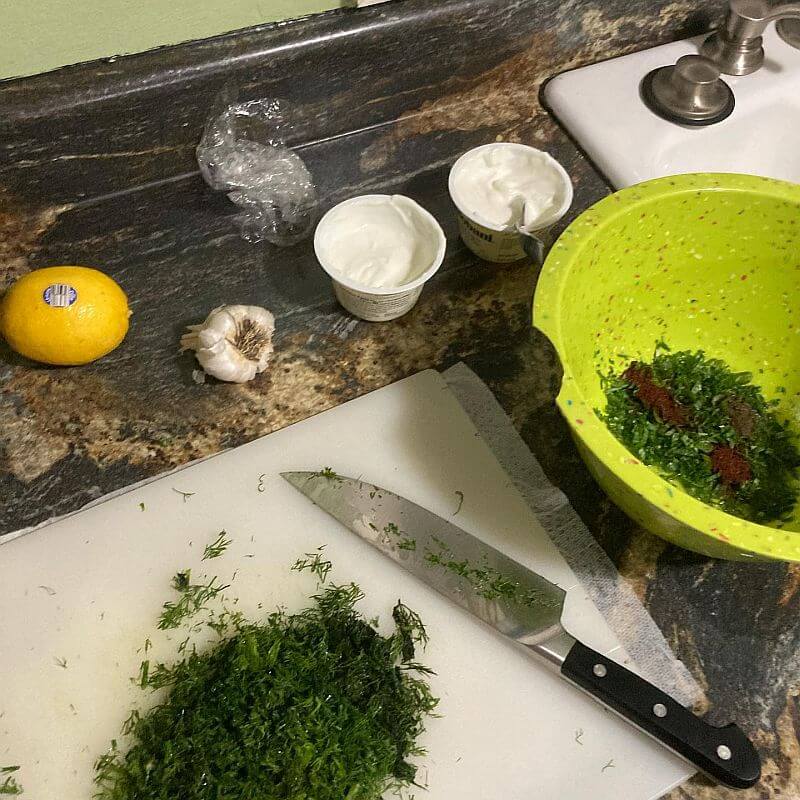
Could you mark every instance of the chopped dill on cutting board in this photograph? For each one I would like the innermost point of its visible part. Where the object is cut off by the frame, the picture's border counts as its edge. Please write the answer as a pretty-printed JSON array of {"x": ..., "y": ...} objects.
[
  {"x": 707, "y": 428},
  {"x": 313, "y": 706},
  {"x": 193, "y": 597},
  {"x": 8, "y": 783},
  {"x": 315, "y": 563},
  {"x": 217, "y": 547}
]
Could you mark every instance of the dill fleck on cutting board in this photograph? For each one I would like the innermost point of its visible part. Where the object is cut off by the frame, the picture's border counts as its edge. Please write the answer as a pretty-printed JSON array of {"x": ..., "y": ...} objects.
[
  {"x": 184, "y": 495},
  {"x": 315, "y": 563},
  {"x": 8, "y": 784},
  {"x": 193, "y": 597},
  {"x": 217, "y": 547}
]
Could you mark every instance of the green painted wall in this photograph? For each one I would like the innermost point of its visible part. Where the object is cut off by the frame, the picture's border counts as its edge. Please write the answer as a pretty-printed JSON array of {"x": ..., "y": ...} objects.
[{"x": 40, "y": 35}]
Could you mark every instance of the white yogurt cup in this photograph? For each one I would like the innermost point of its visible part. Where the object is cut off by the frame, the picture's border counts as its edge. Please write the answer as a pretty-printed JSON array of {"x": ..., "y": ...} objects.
[
  {"x": 502, "y": 242},
  {"x": 390, "y": 243}
]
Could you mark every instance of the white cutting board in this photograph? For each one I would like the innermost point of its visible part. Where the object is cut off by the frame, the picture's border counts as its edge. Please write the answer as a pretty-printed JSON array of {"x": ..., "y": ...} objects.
[{"x": 509, "y": 726}]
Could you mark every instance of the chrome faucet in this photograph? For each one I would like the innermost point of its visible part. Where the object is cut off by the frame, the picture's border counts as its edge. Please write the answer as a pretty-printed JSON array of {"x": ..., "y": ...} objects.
[{"x": 736, "y": 48}]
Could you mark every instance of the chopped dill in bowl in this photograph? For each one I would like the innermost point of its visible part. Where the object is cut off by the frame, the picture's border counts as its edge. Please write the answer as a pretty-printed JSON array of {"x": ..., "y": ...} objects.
[{"x": 708, "y": 429}]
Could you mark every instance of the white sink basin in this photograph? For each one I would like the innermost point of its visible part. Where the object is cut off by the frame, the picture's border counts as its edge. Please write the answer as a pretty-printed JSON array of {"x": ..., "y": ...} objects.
[{"x": 601, "y": 108}]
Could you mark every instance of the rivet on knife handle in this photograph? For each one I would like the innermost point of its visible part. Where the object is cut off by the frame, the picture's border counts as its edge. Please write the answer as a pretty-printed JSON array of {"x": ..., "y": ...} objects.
[{"x": 724, "y": 754}]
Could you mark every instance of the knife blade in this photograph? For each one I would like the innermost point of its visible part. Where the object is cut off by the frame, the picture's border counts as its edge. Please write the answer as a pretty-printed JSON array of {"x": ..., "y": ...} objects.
[{"x": 527, "y": 608}]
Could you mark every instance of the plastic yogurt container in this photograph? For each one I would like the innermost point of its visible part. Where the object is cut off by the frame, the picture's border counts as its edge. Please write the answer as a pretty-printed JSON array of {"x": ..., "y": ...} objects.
[
  {"x": 379, "y": 251},
  {"x": 505, "y": 192}
]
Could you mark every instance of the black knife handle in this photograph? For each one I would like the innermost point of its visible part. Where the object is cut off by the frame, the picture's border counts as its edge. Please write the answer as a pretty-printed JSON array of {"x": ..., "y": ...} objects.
[{"x": 724, "y": 754}]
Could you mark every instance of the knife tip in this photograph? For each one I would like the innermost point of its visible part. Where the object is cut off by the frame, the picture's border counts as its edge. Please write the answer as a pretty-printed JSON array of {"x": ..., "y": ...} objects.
[{"x": 297, "y": 479}]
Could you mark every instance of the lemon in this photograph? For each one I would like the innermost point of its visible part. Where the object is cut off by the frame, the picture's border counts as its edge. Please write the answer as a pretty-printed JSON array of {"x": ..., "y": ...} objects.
[{"x": 64, "y": 315}]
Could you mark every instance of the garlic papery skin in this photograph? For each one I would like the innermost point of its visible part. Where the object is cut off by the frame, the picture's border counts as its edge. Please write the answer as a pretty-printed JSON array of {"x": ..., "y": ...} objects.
[{"x": 234, "y": 343}]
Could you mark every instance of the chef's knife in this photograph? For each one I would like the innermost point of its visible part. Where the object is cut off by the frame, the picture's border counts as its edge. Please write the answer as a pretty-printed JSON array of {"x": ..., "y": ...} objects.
[{"x": 527, "y": 608}]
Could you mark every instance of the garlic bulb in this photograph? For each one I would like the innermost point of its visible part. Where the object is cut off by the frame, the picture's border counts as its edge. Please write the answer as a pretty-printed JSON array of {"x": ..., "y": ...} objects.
[{"x": 234, "y": 343}]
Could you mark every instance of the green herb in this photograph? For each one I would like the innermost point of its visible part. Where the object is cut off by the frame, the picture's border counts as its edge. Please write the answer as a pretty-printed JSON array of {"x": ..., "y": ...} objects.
[
  {"x": 315, "y": 706},
  {"x": 61, "y": 662},
  {"x": 410, "y": 629},
  {"x": 460, "y": 496},
  {"x": 314, "y": 562},
  {"x": 725, "y": 410},
  {"x": 221, "y": 623},
  {"x": 407, "y": 544},
  {"x": 141, "y": 506},
  {"x": 182, "y": 580},
  {"x": 217, "y": 547},
  {"x": 9, "y": 785},
  {"x": 193, "y": 597},
  {"x": 486, "y": 581},
  {"x": 327, "y": 472},
  {"x": 130, "y": 724},
  {"x": 185, "y": 495}
]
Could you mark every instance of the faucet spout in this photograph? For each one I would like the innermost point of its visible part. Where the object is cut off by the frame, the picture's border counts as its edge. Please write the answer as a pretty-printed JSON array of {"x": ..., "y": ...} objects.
[{"x": 737, "y": 47}]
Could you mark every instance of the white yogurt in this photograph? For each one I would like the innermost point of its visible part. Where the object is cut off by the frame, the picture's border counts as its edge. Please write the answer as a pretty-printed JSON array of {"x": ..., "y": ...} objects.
[
  {"x": 379, "y": 250},
  {"x": 510, "y": 186},
  {"x": 508, "y": 195},
  {"x": 378, "y": 241}
]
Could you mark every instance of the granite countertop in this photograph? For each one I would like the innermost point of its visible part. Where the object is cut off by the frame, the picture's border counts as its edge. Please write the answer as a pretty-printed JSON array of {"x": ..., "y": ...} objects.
[{"x": 87, "y": 176}]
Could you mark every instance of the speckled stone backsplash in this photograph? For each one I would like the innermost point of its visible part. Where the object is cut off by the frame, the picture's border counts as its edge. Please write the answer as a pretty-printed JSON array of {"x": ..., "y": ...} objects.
[
  {"x": 97, "y": 167},
  {"x": 89, "y": 130}
]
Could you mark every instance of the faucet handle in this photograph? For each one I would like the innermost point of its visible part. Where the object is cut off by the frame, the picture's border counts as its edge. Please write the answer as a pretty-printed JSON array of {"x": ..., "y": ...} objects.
[
  {"x": 690, "y": 92},
  {"x": 694, "y": 73}
]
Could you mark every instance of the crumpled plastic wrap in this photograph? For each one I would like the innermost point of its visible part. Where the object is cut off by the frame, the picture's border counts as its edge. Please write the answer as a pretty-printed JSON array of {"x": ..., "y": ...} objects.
[{"x": 242, "y": 152}]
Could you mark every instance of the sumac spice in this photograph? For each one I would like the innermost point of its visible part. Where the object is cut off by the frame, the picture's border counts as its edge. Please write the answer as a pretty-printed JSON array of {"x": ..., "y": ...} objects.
[
  {"x": 655, "y": 398},
  {"x": 708, "y": 429}
]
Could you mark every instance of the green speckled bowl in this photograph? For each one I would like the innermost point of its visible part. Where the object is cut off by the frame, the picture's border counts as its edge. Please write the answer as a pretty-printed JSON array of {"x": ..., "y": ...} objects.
[{"x": 708, "y": 261}]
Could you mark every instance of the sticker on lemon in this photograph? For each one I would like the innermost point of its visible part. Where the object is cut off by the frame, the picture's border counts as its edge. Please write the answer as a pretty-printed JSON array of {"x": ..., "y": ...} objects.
[{"x": 64, "y": 315}]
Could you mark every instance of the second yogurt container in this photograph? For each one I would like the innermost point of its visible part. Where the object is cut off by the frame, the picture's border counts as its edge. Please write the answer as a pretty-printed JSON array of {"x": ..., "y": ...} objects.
[{"x": 505, "y": 191}]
